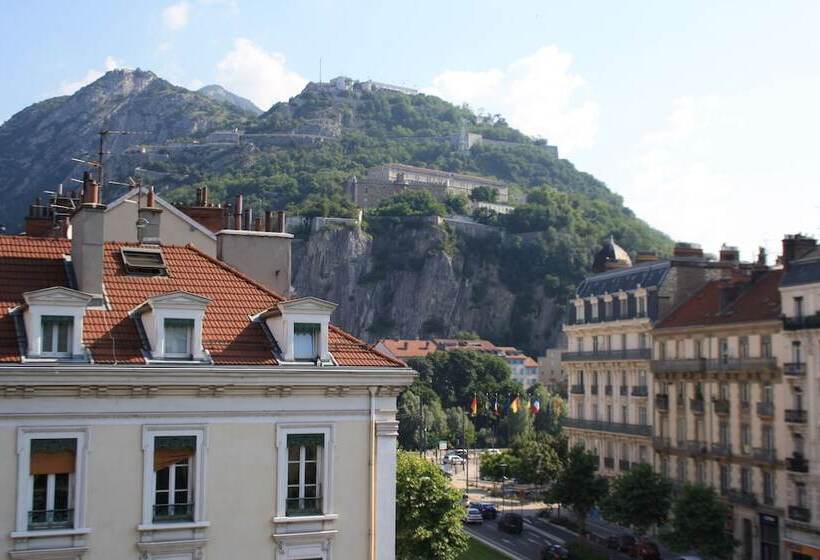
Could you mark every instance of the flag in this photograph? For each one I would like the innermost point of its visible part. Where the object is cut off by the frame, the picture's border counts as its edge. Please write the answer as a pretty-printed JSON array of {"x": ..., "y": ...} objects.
[
  {"x": 535, "y": 407},
  {"x": 514, "y": 405},
  {"x": 474, "y": 406},
  {"x": 495, "y": 407}
]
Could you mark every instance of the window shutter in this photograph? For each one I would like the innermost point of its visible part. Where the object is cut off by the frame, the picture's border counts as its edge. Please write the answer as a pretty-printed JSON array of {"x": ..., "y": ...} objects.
[
  {"x": 53, "y": 456},
  {"x": 169, "y": 450}
]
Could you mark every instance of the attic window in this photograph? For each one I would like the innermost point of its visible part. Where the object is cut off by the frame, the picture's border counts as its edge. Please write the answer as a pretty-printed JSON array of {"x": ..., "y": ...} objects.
[{"x": 144, "y": 262}]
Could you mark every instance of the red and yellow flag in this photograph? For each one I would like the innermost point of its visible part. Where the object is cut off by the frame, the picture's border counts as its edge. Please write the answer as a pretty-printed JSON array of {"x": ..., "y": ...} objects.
[
  {"x": 514, "y": 405},
  {"x": 474, "y": 406}
]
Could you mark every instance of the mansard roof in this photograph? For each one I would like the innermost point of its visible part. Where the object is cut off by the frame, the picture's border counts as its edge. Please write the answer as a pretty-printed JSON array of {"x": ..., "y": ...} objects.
[
  {"x": 803, "y": 271},
  {"x": 647, "y": 275}
]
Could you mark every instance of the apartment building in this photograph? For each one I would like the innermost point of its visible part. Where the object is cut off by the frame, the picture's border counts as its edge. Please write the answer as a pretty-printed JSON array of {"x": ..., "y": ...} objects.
[
  {"x": 609, "y": 340},
  {"x": 157, "y": 403},
  {"x": 800, "y": 295}
]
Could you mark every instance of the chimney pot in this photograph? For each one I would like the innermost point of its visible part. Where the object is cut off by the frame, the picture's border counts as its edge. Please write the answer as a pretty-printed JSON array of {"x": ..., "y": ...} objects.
[
  {"x": 268, "y": 220},
  {"x": 205, "y": 196},
  {"x": 237, "y": 212},
  {"x": 281, "y": 222}
]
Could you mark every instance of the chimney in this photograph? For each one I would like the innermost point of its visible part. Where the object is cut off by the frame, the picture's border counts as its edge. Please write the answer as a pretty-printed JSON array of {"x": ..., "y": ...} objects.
[
  {"x": 268, "y": 220},
  {"x": 237, "y": 212},
  {"x": 204, "y": 196},
  {"x": 247, "y": 221},
  {"x": 148, "y": 221},
  {"x": 281, "y": 222},
  {"x": 687, "y": 250},
  {"x": 645, "y": 256},
  {"x": 795, "y": 247},
  {"x": 261, "y": 255},
  {"x": 729, "y": 254},
  {"x": 87, "y": 239}
]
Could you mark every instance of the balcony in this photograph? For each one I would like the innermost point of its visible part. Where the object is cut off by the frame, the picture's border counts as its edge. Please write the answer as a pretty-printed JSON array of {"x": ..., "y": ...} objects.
[
  {"x": 608, "y": 390},
  {"x": 765, "y": 454},
  {"x": 607, "y": 355},
  {"x": 722, "y": 406},
  {"x": 765, "y": 409},
  {"x": 43, "y": 520},
  {"x": 798, "y": 513},
  {"x": 623, "y": 465},
  {"x": 745, "y": 407},
  {"x": 803, "y": 322},
  {"x": 593, "y": 389},
  {"x": 702, "y": 365},
  {"x": 696, "y": 406},
  {"x": 797, "y": 464},
  {"x": 612, "y": 427},
  {"x": 742, "y": 498},
  {"x": 794, "y": 369},
  {"x": 694, "y": 447},
  {"x": 609, "y": 462},
  {"x": 722, "y": 449},
  {"x": 796, "y": 415},
  {"x": 662, "y": 402},
  {"x": 661, "y": 443},
  {"x": 170, "y": 513},
  {"x": 678, "y": 366},
  {"x": 623, "y": 390},
  {"x": 577, "y": 389},
  {"x": 640, "y": 391}
]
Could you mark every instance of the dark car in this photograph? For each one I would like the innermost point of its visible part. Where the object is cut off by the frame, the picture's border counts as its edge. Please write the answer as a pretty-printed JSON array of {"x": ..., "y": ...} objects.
[
  {"x": 488, "y": 511},
  {"x": 554, "y": 552},
  {"x": 511, "y": 523},
  {"x": 647, "y": 550},
  {"x": 626, "y": 544}
]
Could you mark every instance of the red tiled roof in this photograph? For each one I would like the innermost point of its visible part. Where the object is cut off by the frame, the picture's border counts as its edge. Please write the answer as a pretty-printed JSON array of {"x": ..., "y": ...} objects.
[
  {"x": 409, "y": 348},
  {"x": 757, "y": 301},
  {"x": 28, "y": 264}
]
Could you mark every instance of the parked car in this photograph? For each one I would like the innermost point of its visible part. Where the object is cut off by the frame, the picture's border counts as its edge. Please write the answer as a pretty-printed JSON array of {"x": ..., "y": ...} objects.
[
  {"x": 647, "y": 550},
  {"x": 452, "y": 459},
  {"x": 554, "y": 552},
  {"x": 473, "y": 516},
  {"x": 493, "y": 451},
  {"x": 461, "y": 453},
  {"x": 488, "y": 511},
  {"x": 624, "y": 543},
  {"x": 511, "y": 523}
]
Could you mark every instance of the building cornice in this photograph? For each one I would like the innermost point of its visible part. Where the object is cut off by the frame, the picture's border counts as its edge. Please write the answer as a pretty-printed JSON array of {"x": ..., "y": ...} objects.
[{"x": 771, "y": 326}]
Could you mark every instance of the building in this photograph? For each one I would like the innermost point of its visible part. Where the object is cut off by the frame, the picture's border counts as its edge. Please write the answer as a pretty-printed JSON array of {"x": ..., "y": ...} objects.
[
  {"x": 550, "y": 370},
  {"x": 386, "y": 181},
  {"x": 725, "y": 414},
  {"x": 524, "y": 369},
  {"x": 800, "y": 296},
  {"x": 158, "y": 403},
  {"x": 609, "y": 337}
]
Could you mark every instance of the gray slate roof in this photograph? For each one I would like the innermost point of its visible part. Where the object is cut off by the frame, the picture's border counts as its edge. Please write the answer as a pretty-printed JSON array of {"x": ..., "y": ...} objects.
[{"x": 644, "y": 275}]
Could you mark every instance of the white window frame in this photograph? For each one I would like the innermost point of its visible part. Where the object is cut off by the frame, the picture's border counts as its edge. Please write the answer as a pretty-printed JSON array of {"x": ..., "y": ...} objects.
[
  {"x": 316, "y": 335},
  {"x": 188, "y": 339},
  {"x": 325, "y": 468},
  {"x": 25, "y": 480},
  {"x": 54, "y": 352},
  {"x": 175, "y": 305},
  {"x": 196, "y": 475},
  {"x": 57, "y": 301}
]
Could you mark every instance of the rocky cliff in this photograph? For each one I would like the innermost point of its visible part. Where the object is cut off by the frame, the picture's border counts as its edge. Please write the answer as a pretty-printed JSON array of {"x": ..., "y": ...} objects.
[{"x": 417, "y": 281}]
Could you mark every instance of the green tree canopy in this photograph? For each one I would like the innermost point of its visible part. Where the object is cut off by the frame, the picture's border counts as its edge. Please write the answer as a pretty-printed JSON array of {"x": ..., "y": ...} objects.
[
  {"x": 484, "y": 194},
  {"x": 416, "y": 404},
  {"x": 539, "y": 460},
  {"x": 699, "y": 524},
  {"x": 460, "y": 428},
  {"x": 639, "y": 498},
  {"x": 428, "y": 512},
  {"x": 497, "y": 466},
  {"x": 578, "y": 485},
  {"x": 411, "y": 202}
]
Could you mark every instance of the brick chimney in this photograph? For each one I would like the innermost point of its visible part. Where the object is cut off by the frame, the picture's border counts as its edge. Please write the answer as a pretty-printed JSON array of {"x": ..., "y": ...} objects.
[
  {"x": 795, "y": 247},
  {"x": 684, "y": 250},
  {"x": 212, "y": 216},
  {"x": 729, "y": 254},
  {"x": 149, "y": 220},
  {"x": 87, "y": 239}
]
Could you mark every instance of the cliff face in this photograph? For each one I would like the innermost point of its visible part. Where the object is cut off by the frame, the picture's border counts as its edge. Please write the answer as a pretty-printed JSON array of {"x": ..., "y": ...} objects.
[{"x": 416, "y": 282}]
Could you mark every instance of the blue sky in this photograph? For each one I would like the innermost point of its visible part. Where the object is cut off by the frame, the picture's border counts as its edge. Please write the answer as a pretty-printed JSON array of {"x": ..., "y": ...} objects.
[{"x": 703, "y": 115}]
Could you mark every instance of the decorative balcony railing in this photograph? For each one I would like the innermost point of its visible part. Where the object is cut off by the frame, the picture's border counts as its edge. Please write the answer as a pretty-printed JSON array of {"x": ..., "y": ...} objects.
[
  {"x": 695, "y": 447},
  {"x": 765, "y": 409},
  {"x": 803, "y": 322},
  {"x": 661, "y": 442},
  {"x": 796, "y": 415},
  {"x": 46, "y": 519},
  {"x": 722, "y": 449},
  {"x": 794, "y": 369},
  {"x": 593, "y": 389},
  {"x": 797, "y": 464},
  {"x": 765, "y": 454},
  {"x": 607, "y": 355},
  {"x": 722, "y": 406},
  {"x": 577, "y": 389},
  {"x": 742, "y": 498},
  {"x": 799, "y": 513},
  {"x": 613, "y": 427},
  {"x": 696, "y": 406},
  {"x": 702, "y": 365},
  {"x": 640, "y": 391},
  {"x": 170, "y": 513},
  {"x": 623, "y": 390},
  {"x": 662, "y": 402},
  {"x": 608, "y": 390}
]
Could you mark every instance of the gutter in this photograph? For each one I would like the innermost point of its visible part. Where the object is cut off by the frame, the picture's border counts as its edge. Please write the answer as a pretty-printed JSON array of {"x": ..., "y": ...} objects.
[{"x": 372, "y": 472}]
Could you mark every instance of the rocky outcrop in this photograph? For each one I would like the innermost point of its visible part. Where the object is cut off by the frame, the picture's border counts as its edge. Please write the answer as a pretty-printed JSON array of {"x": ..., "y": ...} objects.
[{"x": 416, "y": 282}]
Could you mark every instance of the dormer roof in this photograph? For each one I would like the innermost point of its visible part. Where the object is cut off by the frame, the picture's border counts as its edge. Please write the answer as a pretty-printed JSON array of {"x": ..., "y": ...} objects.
[{"x": 57, "y": 295}]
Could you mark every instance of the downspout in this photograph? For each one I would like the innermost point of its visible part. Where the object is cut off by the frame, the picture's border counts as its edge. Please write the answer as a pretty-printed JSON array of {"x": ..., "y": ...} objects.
[{"x": 372, "y": 457}]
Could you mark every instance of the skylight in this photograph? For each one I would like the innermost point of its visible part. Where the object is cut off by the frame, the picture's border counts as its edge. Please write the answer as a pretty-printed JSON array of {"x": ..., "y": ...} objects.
[{"x": 144, "y": 262}]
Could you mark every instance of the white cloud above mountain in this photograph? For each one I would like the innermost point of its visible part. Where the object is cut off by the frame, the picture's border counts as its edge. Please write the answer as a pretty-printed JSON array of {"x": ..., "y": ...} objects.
[
  {"x": 176, "y": 16},
  {"x": 70, "y": 86},
  {"x": 261, "y": 76},
  {"x": 539, "y": 94}
]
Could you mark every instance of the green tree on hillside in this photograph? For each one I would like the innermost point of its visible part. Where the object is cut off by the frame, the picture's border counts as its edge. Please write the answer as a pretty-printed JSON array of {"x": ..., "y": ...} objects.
[
  {"x": 411, "y": 202},
  {"x": 484, "y": 194}
]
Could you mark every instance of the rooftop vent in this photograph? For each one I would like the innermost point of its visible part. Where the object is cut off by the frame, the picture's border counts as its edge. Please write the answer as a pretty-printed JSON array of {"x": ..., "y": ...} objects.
[{"x": 144, "y": 262}]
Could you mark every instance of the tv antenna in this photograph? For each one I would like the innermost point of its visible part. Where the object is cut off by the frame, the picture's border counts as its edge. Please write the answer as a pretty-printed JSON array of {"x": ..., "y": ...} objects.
[{"x": 99, "y": 163}]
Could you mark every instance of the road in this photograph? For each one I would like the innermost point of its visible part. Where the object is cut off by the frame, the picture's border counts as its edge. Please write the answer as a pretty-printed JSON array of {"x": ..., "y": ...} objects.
[{"x": 527, "y": 545}]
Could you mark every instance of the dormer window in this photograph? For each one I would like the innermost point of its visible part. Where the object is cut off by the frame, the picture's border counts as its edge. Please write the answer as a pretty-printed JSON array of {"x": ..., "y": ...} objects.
[
  {"x": 306, "y": 341},
  {"x": 179, "y": 334},
  {"x": 172, "y": 324},
  {"x": 56, "y": 335},
  {"x": 301, "y": 329}
]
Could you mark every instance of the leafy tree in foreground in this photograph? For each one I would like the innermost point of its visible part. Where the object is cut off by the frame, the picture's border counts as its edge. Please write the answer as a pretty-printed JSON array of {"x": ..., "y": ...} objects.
[
  {"x": 699, "y": 524},
  {"x": 539, "y": 459},
  {"x": 428, "y": 512},
  {"x": 639, "y": 499},
  {"x": 578, "y": 486}
]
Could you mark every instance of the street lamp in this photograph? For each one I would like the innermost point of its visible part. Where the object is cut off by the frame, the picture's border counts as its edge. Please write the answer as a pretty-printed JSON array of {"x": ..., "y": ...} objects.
[{"x": 503, "y": 480}]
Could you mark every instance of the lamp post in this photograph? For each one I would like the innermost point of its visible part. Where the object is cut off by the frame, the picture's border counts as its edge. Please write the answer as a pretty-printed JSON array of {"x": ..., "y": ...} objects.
[{"x": 503, "y": 480}]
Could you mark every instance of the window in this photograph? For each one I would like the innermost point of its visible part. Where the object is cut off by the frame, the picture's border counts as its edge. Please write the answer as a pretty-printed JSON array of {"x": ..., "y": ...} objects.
[
  {"x": 681, "y": 469},
  {"x": 595, "y": 412},
  {"x": 306, "y": 341},
  {"x": 768, "y": 393},
  {"x": 57, "y": 335},
  {"x": 767, "y": 436},
  {"x": 51, "y": 476},
  {"x": 594, "y": 343},
  {"x": 609, "y": 413},
  {"x": 144, "y": 262},
  {"x": 641, "y": 306},
  {"x": 173, "y": 490},
  {"x": 680, "y": 426},
  {"x": 799, "y": 444},
  {"x": 642, "y": 340},
  {"x": 698, "y": 348},
  {"x": 608, "y": 309},
  {"x": 624, "y": 452},
  {"x": 642, "y": 377},
  {"x": 662, "y": 350},
  {"x": 800, "y": 494},
  {"x": 798, "y": 308},
  {"x": 579, "y": 312},
  {"x": 580, "y": 344},
  {"x": 178, "y": 337},
  {"x": 610, "y": 449},
  {"x": 594, "y": 310},
  {"x": 766, "y": 346},
  {"x": 743, "y": 347},
  {"x": 304, "y": 488},
  {"x": 768, "y": 487},
  {"x": 700, "y": 472},
  {"x": 642, "y": 454},
  {"x": 723, "y": 391},
  {"x": 723, "y": 433},
  {"x": 723, "y": 345},
  {"x": 725, "y": 479},
  {"x": 624, "y": 415},
  {"x": 679, "y": 350},
  {"x": 745, "y": 480},
  {"x": 608, "y": 343},
  {"x": 642, "y": 416},
  {"x": 665, "y": 467},
  {"x": 796, "y": 352},
  {"x": 744, "y": 393},
  {"x": 745, "y": 438},
  {"x": 623, "y": 341}
]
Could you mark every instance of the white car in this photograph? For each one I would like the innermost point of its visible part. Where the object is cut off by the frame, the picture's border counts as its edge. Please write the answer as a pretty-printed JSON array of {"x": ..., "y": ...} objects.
[
  {"x": 473, "y": 516},
  {"x": 494, "y": 452},
  {"x": 452, "y": 459}
]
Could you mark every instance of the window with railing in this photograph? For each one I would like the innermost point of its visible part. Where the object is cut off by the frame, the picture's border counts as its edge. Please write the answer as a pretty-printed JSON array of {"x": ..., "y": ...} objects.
[
  {"x": 766, "y": 346},
  {"x": 797, "y": 356},
  {"x": 174, "y": 458},
  {"x": 743, "y": 347},
  {"x": 304, "y": 467},
  {"x": 51, "y": 475},
  {"x": 768, "y": 487},
  {"x": 725, "y": 479}
]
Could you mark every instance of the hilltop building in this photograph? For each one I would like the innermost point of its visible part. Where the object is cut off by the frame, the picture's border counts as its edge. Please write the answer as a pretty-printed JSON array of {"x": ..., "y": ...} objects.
[{"x": 150, "y": 389}]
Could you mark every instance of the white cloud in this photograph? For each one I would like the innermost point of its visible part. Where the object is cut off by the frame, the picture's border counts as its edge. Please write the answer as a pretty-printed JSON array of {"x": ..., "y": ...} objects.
[
  {"x": 175, "y": 16},
  {"x": 538, "y": 94},
  {"x": 261, "y": 76},
  {"x": 69, "y": 87},
  {"x": 734, "y": 168}
]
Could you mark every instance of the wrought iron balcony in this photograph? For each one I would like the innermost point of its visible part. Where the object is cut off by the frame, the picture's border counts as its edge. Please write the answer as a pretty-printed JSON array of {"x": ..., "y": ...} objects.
[
  {"x": 742, "y": 498},
  {"x": 170, "y": 513},
  {"x": 702, "y": 365},
  {"x": 696, "y": 406},
  {"x": 695, "y": 447},
  {"x": 678, "y": 366},
  {"x": 765, "y": 454},
  {"x": 662, "y": 402},
  {"x": 722, "y": 449},
  {"x": 765, "y": 409},
  {"x": 45, "y": 519},
  {"x": 722, "y": 406},
  {"x": 613, "y": 427},
  {"x": 607, "y": 355},
  {"x": 577, "y": 389},
  {"x": 799, "y": 513},
  {"x": 640, "y": 391},
  {"x": 794, "y": 369},
  {"x": 623, "y": 465},
  {"x": 797, "y": 463},
  {"x": 593, "y": 389},
  {"x": 609, "y": 462},
  {"x": 796, "y": 415},
  {"x": 661, "y": 443},
  {"x": 623, "y": 390},
  {"x": 608, "y": 390},
  {"x": 803, "y": 322}
]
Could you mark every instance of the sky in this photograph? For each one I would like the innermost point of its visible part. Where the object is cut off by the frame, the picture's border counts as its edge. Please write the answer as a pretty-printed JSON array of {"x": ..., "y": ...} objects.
[{"x": 703, "y": 116}]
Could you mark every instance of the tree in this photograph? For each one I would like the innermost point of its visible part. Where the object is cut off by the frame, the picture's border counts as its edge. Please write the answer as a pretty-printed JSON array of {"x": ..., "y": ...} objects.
[
  {"x": 578, "y": 486},
  {"x": 539, "y": 461},
  {"x": 516, "y": 425},
  {"x": 415, "y": 404},
  {"x": 456, "y": 204},
  {"x": 459, "y": 427},
  {"x": 699, "y": 524},
  {"x": 484, "y": 194},
  {"x": 467, "y": 335},
  {"x": 496, "y": 467},
  {"x": 552, "y": 410},
  {"x": 428, "y": 512},
  {"x": 639, "y": 498},
  {"x": 413, "y": 202}
]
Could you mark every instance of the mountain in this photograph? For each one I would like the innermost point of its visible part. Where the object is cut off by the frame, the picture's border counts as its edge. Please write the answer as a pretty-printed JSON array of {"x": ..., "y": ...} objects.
[
  {"x": 392, "y": 277},
  {"x": 222, "y": 95}
]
